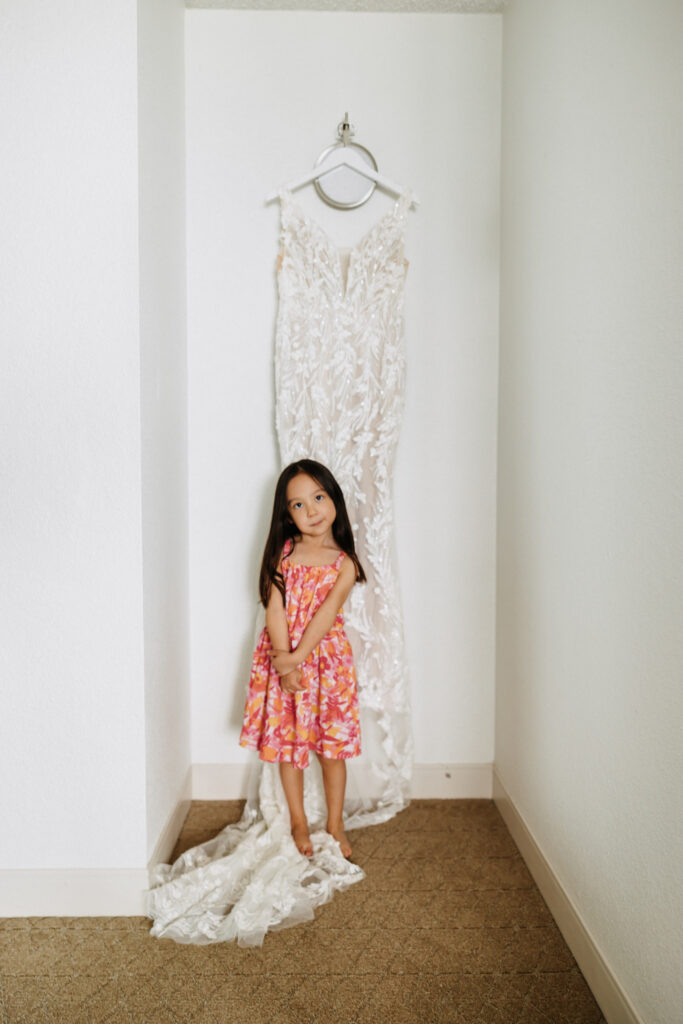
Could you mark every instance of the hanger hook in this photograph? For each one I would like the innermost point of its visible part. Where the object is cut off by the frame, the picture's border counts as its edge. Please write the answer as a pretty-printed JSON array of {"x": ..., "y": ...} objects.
[{"x": 345, "y": 130}]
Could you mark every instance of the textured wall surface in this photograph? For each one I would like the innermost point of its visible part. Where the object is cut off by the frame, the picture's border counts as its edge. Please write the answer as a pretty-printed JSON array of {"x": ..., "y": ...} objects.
[{"x": 589, "y": 700}]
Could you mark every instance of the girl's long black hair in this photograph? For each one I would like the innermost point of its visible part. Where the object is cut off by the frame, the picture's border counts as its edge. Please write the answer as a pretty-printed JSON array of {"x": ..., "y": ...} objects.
[{"x": 283, "y": 529}]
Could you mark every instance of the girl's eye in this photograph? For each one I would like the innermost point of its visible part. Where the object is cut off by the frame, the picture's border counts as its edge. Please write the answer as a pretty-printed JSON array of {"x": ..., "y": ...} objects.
[
  {"x": 320, "y": 497},
  {"x": 297, "y": 504}
]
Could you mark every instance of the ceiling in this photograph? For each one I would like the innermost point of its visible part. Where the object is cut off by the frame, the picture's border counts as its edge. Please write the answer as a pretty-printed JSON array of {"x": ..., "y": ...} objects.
[{"x": 400, "y": 6}]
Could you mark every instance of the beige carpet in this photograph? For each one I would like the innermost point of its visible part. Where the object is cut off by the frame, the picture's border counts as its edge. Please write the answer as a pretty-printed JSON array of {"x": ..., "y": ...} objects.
[{"x": 448, "y": 926}]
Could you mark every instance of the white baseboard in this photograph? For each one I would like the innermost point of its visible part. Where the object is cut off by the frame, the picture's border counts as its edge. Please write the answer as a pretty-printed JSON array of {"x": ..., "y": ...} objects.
[
  {"x": 429, "y": 781},
  {"x": 608, "y": 993},
  {"x": 452, "y": 782},
  {"x": 113, "y": 892},
  {"x": 73, "y": 892},
  {"x": 89, "y": 892}
]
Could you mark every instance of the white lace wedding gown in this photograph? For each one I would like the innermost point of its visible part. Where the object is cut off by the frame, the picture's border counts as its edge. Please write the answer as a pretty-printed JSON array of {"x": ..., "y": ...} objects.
[{"x": 340, "y": 369}]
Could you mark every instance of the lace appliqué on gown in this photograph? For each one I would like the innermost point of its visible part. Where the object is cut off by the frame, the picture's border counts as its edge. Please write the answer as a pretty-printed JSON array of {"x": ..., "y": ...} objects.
[
  {"x": 340, "y": 377},
  {"x": 340, "y": 372}
]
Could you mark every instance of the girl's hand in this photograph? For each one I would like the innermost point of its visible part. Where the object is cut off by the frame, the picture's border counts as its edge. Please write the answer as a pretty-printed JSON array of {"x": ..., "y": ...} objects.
[
  {"x": 284, "y": 662},
  {"x": 293, "y": 681}
]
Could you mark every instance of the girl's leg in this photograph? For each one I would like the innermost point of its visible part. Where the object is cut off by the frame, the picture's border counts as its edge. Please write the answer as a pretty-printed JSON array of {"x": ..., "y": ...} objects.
[
  {"x": 334, "y": 780},
  {"x": 293, "y": 785}
]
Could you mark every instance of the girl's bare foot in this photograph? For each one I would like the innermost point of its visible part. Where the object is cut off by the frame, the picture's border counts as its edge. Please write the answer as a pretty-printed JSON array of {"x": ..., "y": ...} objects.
[
  {"x": 337, "y": 832},
  {"x": 302, "y": 839},
  {"x": 293, "y": 786}
]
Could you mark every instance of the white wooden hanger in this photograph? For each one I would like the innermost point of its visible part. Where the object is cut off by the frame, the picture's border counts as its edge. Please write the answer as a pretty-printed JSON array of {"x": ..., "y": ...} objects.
[{"x": 345, "y": 155}]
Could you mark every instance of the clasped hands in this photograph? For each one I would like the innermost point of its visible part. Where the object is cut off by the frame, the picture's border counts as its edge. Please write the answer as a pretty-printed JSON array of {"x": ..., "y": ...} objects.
[{"x": 286, "y": 664}]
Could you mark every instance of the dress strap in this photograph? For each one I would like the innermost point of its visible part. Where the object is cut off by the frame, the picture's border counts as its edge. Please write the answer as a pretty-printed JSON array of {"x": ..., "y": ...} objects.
[
  {"x": 286, "y": 203},
  {"x": 404, "y": 202},
  {"x": 288, "y": 548},
  {"x": 287, "y": 216}
]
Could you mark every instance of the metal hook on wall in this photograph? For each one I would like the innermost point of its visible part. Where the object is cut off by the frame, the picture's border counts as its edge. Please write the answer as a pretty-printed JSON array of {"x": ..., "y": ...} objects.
[{"x": 344, "y": 188}]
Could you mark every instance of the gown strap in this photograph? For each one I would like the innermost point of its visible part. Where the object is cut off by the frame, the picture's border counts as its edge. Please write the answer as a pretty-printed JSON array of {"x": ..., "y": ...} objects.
[{"x": 403, "y": 205}]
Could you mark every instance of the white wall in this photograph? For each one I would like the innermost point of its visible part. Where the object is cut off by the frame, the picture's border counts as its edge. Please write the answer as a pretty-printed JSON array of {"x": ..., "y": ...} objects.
[
  {"x": 588, "y": 703},
  {"x": 72, "y": 755},
  {"x": 94, "y": 477},
  {"x": 265, "y": 91},
  {"x": 161, "y": 128}
]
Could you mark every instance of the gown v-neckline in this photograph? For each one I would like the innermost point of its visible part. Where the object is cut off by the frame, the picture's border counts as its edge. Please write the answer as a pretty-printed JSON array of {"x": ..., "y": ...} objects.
[{"x": 348, "y": 253}]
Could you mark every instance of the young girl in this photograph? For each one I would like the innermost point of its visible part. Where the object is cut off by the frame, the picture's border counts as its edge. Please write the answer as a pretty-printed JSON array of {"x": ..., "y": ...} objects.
[{"x": 302, "y": 691}]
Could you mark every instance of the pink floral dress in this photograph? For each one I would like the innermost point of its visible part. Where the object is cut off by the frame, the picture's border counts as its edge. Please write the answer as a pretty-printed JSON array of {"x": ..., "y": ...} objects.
[{"x": 324, "y": 716}]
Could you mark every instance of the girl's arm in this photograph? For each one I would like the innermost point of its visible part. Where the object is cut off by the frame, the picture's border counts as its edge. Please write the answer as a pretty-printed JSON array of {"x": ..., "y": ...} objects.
[
  {"x": 276, "y": 621},
  {"x": 321, "y": 623},
  {"x": 278, "y": 631}
]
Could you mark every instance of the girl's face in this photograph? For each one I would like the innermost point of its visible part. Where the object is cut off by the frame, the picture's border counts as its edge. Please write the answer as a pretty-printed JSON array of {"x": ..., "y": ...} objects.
[{"x": 310, "y": 507}]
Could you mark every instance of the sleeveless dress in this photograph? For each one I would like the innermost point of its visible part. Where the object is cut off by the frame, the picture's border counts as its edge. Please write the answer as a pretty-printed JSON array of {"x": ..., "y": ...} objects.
[
  {"x": 324, "y": 716},
  {"x": 340, "y": 312}
]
